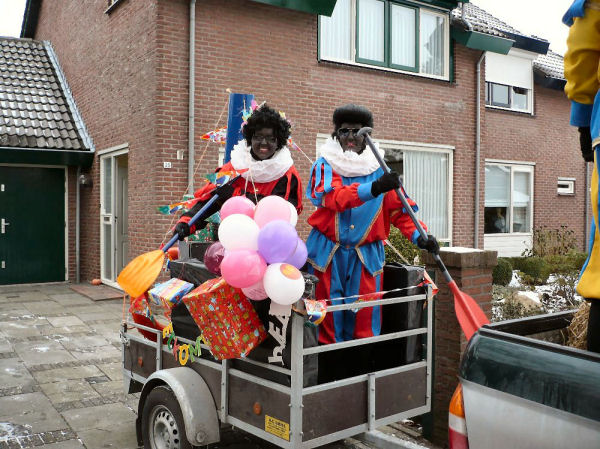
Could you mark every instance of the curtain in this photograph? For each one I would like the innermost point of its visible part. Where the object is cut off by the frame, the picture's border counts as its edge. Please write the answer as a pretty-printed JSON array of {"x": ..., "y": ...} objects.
[
  {"x": 336, "y": 32},
  {"x": 432, "y": 44},
  {"x": 497, "y": 186},
  {"x": 521, "y": 202},
  {"x": 403, "y": 45},
  {"x": 426, "y": 182},
  {"x": 371, "y": 30}
]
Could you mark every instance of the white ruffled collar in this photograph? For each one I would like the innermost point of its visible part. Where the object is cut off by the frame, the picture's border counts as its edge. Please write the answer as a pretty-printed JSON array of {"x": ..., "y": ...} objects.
[
  {"x": 349, "y": 163},
  {"x": 260, "y": 171}
]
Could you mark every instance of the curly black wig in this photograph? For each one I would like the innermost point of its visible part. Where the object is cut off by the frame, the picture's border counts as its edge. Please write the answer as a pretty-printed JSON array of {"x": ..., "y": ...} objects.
[
  {"x": 266, "y": 117},
  {"x": 351, "y": 113}
]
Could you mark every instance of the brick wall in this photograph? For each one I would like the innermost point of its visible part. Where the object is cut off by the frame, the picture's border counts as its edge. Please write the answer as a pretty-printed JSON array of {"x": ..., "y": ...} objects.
[{"x": 129, "y": 74}]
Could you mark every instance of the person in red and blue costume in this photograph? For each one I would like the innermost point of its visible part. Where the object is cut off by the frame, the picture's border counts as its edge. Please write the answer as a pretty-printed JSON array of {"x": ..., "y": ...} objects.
[{"x": 356, "y": 204}]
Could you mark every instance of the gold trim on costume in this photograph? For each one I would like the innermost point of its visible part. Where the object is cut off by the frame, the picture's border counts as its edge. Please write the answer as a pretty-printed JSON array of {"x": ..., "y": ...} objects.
[{"x": 366, "y": 234}]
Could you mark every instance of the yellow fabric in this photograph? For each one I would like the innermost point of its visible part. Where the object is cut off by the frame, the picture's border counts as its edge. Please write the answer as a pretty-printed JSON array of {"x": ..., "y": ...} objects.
[
  {"x": 589, "y": 283},
  {"x": 582, "y": 68}
]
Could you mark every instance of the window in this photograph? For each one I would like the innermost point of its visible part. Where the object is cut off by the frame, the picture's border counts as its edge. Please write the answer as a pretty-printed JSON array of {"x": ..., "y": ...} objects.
[
  {"x": 566, "y": 186},
  {"x": 399, "y": 36},
  {"x": 426, "y": 173},
  {"x": 508, "y": 198},
  {"x": 509, "y": 80},
  {"x": 510, "y": 97}
]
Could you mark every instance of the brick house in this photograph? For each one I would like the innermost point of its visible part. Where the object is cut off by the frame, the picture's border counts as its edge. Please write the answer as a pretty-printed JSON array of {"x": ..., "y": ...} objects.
[{"x": 414, "y": 64}]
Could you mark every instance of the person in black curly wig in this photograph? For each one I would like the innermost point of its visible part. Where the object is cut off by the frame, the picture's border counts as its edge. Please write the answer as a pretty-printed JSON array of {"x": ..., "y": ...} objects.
[
  {"x": 264, "y": 162},
  {"x": 267, "y": 123},
  {"x": 348, "y": 119}
]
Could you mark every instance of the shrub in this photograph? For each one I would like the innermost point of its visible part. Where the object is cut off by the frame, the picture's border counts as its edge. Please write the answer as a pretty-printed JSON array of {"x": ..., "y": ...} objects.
[
  {"x": 551, "y": 242},
  {"x": 502, "y": 273},
  {"x": 567, "y": 263},
  {"x": 406, "y": 248},
  {"x": 535, "y": 269}
]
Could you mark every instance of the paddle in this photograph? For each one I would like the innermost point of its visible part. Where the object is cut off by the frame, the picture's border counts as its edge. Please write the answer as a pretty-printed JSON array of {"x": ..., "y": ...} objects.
[
  {"x": 141, "y": 272},
  {"x": 469, "y": 314}
]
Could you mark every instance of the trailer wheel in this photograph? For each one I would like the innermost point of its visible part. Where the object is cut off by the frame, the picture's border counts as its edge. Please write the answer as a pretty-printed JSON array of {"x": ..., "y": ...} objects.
[{"x": 162, "y": 421}]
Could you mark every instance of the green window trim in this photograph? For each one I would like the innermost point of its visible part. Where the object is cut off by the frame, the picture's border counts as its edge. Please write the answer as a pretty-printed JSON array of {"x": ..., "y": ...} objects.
[{"x": 356, "y": 59}]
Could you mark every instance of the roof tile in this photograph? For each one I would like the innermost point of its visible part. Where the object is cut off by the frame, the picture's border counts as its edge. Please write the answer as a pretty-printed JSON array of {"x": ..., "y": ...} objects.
[{"x": 33, "y": 106}]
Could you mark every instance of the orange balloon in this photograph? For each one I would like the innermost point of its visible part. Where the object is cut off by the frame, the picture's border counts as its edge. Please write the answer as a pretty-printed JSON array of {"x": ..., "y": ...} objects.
[{"x": 173, "y": 252}]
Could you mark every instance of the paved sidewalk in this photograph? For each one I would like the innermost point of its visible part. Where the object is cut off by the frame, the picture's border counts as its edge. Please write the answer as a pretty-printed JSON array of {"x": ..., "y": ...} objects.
[{"x": 61, "y": 384}]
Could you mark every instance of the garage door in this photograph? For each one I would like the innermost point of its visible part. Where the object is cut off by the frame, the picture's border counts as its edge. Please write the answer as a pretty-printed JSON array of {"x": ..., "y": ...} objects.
[{"x": 32, "y": 225}]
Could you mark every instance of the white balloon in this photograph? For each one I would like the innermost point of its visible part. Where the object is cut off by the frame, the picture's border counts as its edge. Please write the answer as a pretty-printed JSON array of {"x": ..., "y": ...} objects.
[
  {"x": 283, "y": 283},
  {"x": 293, "y": 215},
  {"x": 238, "y": 231}
]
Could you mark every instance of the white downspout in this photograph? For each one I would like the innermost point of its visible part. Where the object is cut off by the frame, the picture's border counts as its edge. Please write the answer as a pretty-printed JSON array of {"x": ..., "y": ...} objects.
[
  {"x": 477, "y": 133},
  {"x": 192, "y": 84}
]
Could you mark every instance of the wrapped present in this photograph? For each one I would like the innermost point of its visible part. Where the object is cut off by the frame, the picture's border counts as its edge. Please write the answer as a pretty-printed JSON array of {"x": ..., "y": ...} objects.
[
  {"x": 169, "y": 293},
  {"x": 163, "y": 297},
  {"x": 141, "y": 314},
  {"x": 229, "y": 324}
]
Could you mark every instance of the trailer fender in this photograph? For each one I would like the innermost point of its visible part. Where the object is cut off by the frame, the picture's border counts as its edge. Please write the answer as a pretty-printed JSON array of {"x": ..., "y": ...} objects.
[{"x": 196, "y": 402}]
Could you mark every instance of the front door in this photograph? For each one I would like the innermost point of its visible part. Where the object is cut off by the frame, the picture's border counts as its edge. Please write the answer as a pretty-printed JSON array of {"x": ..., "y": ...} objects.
[
  {"x": 114, "y": 239},
  {"x": 32, "y": 225}
]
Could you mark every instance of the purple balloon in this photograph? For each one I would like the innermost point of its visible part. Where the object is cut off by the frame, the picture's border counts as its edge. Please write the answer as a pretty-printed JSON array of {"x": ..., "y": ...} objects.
[
  {"x": 277, "y": 241},
  {"x": 213, "y": 257},
  {"x": 298, "y": 257}
]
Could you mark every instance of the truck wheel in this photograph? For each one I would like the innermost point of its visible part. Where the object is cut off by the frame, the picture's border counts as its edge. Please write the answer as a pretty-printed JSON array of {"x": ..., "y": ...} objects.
[{"x": 162, "y": 421}]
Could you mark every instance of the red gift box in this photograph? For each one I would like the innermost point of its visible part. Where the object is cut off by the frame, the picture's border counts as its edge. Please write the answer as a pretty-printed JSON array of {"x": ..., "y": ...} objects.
[{"x": 229, "y": 324}]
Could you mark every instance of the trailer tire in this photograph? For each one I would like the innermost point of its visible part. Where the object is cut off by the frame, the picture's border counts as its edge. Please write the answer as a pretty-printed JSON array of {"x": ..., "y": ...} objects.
[{"x": 162, "y": 421}]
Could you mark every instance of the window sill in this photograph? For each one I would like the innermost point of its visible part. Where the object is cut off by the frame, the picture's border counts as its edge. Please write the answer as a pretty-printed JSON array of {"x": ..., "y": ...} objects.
[
  {"x": 518, "y": 111},
  {"x": 509, "y": 234},
  {"x": 114, "y": 6},
  {"x": 384, "y": 69}
]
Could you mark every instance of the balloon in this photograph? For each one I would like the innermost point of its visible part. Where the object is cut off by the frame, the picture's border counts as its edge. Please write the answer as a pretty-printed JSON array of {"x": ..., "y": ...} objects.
[
  {"x": 173, "y": 252},
  {"x": 283, "y": 283},
  {"x": 256, "y": 292},
  {"x": 294, "y": 214},
  {"x": 299, "y": 256},
  {"x": 242, "y": 268},
  {"x": 239, "y": 231},
  {"x": 237, "y": 205},
  {"x": 213, "y": 257},
  {"x": 271, "y": 208},
  {"x": 277, "y": 241}
]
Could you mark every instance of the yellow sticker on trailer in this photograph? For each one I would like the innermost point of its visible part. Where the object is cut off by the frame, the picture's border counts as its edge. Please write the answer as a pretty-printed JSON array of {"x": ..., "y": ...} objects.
[{"x": 277, "y": 427}]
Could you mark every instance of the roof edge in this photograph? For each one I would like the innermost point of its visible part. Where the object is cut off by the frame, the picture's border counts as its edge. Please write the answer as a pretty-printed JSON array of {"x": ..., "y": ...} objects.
[
  {"x": 30, "y": 18},
  {"x": 482, "y": 41},
  {"x": 539, "y": 77},
  {"x": 46, "y": 156},
  {"x": 81, "y": 128}
]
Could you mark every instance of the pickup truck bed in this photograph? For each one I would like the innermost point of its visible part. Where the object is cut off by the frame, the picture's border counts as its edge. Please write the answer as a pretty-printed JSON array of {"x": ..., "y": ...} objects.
[{"x": 524, "y": 392}]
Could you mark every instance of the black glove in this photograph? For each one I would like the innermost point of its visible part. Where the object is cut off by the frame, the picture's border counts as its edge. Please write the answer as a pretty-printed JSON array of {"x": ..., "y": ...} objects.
[
  {"x": 385, "y": 183},
  {"x": 225, "y": 192},
  {"x": 431, "y": 244},
  {"x": 182, "y": 230},
  {"x": 585, "y": 142}
]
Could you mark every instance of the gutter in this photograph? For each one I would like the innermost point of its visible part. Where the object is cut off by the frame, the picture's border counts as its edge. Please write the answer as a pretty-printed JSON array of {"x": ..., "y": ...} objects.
[{"x": 192, "y": 84}]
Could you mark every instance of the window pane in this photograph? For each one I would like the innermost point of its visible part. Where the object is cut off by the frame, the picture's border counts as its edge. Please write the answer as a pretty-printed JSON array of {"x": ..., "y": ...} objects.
[
  {"x": 402, "y": 37},
  {"x": 429, "y": 192},
  {"x": 432, "y": 44},
  {"x": 107, "y": 185},
  {"x": 521, "y": 202},
  {"x": 371, "y": 30},
  {"x": 519, "y": 99},
  {"x": 500, "y": 95},
  {"x": 497, "y": 199},
  {"x": 336, "y": 32}
]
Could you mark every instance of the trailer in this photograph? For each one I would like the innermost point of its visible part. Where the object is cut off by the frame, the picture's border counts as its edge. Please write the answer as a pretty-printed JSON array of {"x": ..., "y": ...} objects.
[{"x": 184, "y": 406}]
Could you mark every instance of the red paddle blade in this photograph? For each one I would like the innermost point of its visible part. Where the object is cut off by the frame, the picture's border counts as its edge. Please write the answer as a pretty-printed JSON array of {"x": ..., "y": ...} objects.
[{"x": 469, "y": 314}]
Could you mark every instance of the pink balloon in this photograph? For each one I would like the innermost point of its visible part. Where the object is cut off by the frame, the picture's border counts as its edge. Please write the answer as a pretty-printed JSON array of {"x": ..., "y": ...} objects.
[
  {"x": 271, "y": 208},
  {"x": 213, "y": 257},
  {"x": 256, "y": 292},
  {"x": 237, "y": 205},
  {"x": 242, "y": 268},
  {"x": 299, "y": 256}
]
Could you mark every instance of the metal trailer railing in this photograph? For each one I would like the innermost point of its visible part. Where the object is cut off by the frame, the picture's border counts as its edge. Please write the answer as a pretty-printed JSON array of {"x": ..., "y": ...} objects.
[{"x": 315, "y": 415}]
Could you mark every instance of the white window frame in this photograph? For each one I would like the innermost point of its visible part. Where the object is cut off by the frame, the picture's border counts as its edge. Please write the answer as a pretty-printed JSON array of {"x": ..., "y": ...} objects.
[
  {"x": 395, "y": 146},
  {"x": 520, "y": 167},
  {"x": 353, "y": 61}
]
